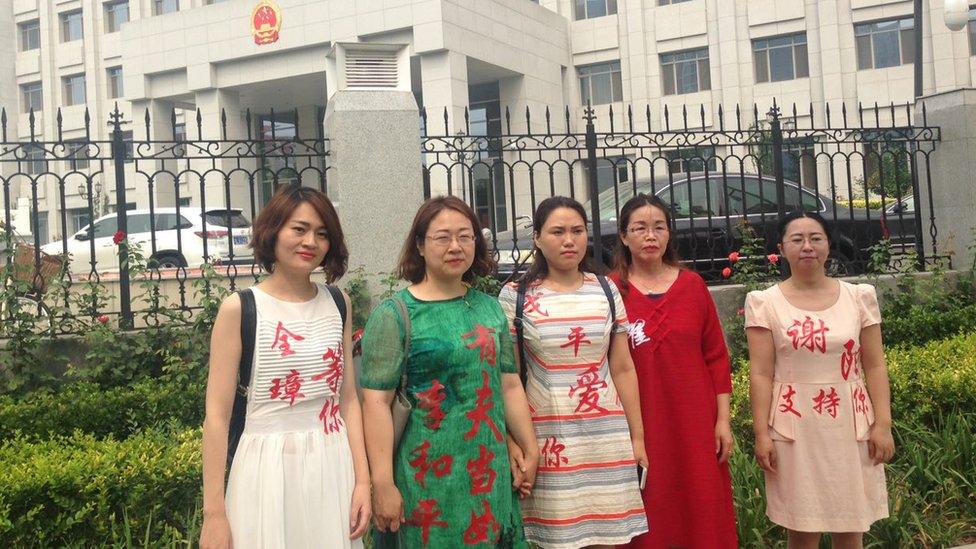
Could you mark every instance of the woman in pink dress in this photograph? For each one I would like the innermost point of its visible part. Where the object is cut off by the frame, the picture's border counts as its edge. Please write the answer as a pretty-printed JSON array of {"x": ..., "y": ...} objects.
[
  {"x": 821, "y": 404},
  {"x": 684, "y": 381}
]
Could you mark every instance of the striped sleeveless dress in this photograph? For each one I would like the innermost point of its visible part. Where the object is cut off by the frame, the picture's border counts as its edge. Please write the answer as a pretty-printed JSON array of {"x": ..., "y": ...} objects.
[{"x": 586, "y": 491}]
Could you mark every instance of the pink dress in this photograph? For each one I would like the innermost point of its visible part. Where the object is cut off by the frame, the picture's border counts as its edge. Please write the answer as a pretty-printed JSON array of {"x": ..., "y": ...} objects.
[{"x": 821, "y": 414}]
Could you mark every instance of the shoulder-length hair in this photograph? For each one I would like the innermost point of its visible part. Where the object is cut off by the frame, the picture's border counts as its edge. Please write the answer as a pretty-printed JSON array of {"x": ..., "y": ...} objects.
[
  {"x": 622, "y": 258},
  {"x": 277, "y": 212},
  {"x": 540, "y": 267},
  {"x": 412, "y": 266}
]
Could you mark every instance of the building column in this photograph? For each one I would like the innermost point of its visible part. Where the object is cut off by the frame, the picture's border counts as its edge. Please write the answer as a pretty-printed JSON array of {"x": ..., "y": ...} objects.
[
  {"x": 162, "y": 172},
  {"x": 444, "y": 76},
  {"x": 952, "y": 162},
  {"x": 221, "y": 121}
]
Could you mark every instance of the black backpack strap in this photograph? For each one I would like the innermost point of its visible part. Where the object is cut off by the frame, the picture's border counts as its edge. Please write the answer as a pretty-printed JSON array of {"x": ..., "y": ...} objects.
[
  {"x": 401, "y": 307},
  {"x": 518, "y": 323},
  {"x": 249, "y": 322},
  {"x": 613, "y": 305},
  {"x": 238, "y": 414},
  {"x": 339, "y": 301}
]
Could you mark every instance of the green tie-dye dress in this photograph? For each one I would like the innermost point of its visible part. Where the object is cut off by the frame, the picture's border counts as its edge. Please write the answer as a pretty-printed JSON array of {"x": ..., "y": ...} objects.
[{"x": 452, "y": 463}]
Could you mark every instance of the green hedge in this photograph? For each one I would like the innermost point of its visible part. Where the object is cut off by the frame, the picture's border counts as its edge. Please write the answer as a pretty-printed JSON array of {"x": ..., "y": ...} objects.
[
  {"x": 117, "y": 411},
  {"x": 74, "y": 490}
]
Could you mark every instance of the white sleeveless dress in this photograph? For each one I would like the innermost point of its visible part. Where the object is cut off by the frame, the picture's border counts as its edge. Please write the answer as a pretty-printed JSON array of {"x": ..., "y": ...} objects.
[{"x": 292, "y": 478}]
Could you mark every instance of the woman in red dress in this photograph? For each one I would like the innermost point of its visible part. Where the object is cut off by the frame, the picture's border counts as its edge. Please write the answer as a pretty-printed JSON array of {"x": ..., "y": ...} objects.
[{"x": 683, "y": 373}]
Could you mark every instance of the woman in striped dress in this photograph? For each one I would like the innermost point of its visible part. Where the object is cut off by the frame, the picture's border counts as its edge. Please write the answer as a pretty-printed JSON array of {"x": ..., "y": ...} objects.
[{"x": 582, "y": 392}]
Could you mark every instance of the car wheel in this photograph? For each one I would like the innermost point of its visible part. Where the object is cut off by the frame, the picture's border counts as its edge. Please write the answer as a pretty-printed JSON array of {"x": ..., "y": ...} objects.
[
  {"x": 167, "y": 261},
  {"x": 838, "y": 264}
]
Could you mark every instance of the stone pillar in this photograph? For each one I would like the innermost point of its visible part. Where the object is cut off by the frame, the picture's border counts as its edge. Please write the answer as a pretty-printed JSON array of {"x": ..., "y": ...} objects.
[
  {"x": 375, "y": 180},
  {"x": 215, "y": 105},
  {"x": 951, "y": 167},
  {"x": 444, "y": 81}
]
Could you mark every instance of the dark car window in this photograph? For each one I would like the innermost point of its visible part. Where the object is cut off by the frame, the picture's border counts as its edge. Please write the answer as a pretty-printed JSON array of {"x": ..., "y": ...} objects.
[
  {"x": 758, "y": 200},
  {"x": 697, "y": 204},
  {"x": 227, "y": 218},
  {"x": 138, "y": 223},
  {"x": 106, "y": 227}
]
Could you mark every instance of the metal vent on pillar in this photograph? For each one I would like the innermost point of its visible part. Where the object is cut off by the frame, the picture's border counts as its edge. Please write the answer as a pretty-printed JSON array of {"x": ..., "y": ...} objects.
[
  {"x": 371, "y": 69},
  {"x": 367, "y": 66}
]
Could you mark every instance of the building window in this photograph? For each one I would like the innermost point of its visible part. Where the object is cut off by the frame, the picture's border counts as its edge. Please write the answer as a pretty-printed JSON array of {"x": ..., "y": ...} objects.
[
  {"x": 74, "y": 89},
  {"x": 972, "y": 31},
  {"x": 36, "y": 158},
  {"x": 71, "y": 26},
  {"x": 667, "y": 2},
  {"x": 780, "y": 58},
  {"x": 588, "y": 9},
  {"x": 600, "y": 84},
  {"x": 31, "y": 97},
  {"x": 78, "y": 218},
  {"x": 885, "y": 43},
  {"x": 30, "y": 35},
  {"x": 691, "y": 160},
  {"x": 685, "y": 72},
  {"x": 211, "y": 2},
  {"x": 128, "y": 146},
  {"x": 114, "y": 82},
  {"x": 116, "y": 13},
  {"x": 77, "y": 153},
  {"x": 162, "y": 7},
  {"x": 38, "y": 226}
]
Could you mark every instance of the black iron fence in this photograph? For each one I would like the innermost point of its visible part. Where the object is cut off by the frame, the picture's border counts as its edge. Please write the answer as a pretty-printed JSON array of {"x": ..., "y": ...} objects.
[
  {"x": 183, "y": 193},
  {"x": 720, "y": 171}
]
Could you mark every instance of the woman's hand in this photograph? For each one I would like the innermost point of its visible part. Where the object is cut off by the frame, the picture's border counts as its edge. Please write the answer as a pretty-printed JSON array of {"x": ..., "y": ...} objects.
[
  {"x": 516, "y": 461},
  {"x": 524, "y": 466},
  {"x": 723, "y": 440},
  {"x": 359, "y": 511},
  {"x": 387, "y": 507},
  {"x": 766, "y": 453},
  {"x": 640, "y": 454},
  {"x": 881, "y": 444},
  {"x": 215, "y": 532}
]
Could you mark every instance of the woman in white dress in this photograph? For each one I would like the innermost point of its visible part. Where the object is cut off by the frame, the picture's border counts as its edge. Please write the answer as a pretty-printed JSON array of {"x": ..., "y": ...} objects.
[{"x": 299, "y": 477}]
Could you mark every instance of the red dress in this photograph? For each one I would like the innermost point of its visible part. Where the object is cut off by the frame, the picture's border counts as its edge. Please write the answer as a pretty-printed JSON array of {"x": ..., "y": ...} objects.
[{"x": 682, "y": 365}]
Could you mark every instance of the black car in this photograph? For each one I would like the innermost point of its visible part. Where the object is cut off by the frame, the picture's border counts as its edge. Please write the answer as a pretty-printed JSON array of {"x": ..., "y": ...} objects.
[{"x": 710, "y": 213}]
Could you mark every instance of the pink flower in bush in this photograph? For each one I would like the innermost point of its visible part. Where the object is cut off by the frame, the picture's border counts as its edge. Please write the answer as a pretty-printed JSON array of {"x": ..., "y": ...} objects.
[
  {"x": 103, "y": 319},
  {"x": 741, "y": 312},
  {"x": 773, "y": 258},
  {"x": 118, "y": 237},
  {"x": 733, "y": 257},
  {"x": 726, "y": 272}
]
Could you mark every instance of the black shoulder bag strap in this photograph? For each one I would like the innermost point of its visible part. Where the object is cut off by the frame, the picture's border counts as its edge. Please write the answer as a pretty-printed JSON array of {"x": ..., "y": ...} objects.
[
  {"x": 248, "y": 328},
  {"x": 613, "y": 305},
  {"x": 339, "y": 301},
  {"x": 517, "y": 322}
]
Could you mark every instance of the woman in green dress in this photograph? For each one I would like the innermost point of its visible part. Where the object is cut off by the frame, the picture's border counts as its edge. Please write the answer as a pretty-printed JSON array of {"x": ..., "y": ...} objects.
[{"x": 448, "y": 483}]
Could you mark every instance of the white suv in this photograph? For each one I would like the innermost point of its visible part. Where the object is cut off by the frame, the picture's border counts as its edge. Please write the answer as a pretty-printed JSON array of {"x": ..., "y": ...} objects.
[{"x": 179, "y": 238}]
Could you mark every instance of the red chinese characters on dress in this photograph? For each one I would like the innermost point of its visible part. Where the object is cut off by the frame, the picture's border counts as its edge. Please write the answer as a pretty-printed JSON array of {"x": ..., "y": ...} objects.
[
  {"x": 330, "y": 417},
  {"x": 425, "y": 516},
  {"x": 588, "y": 386},
  {"x": 484, "y": 340},
  {"x": 482, "y": 475},
  {"x": 430, "y": 400},
  {"x": 809, "y": 335},
  {"x": 282, "y": 340},
  {"x": 480, "y": 525},
  {"x": 440, "y": 466},
  {"x": 576, "y": 338},
  {"x": 828, "y": 402},
  {"x": 787, "y": 405},
  {"x": 552, "y": 453},
  {"x": 289, "y": 390},
  {"x": 861, "y": 402},
  {"x": 333, "y": 369},
  {"x": 532, "y": 304},
  {"x": 479, "y": 414},
  {"x": 849, "y": 360}
]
